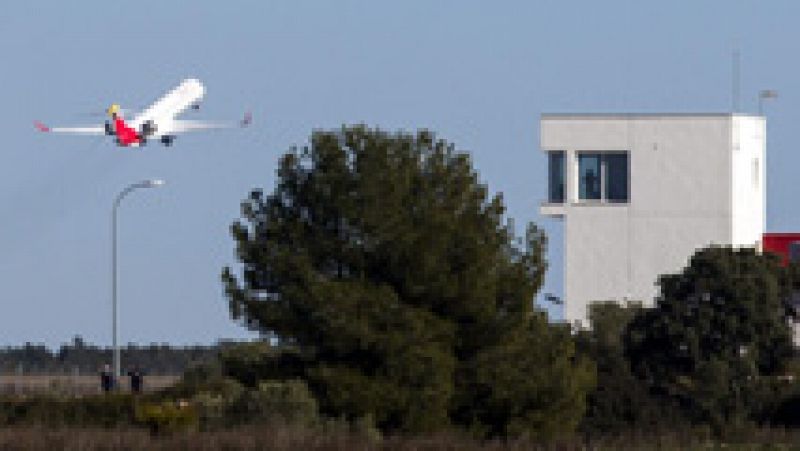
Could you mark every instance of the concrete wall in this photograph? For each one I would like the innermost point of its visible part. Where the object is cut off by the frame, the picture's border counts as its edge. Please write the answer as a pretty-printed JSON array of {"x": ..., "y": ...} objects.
[
  {"x": 748, "y": 181},
  {"x": 688, "y": 189}
]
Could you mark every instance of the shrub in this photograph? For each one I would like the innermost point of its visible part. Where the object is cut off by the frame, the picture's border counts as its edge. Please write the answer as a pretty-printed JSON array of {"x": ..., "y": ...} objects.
[
  {"x": 214, "y": 404},
  {"x": 105, "y": 411},
  {"x": 167, "y": 416},
  {"x": 289, "y": 401}
]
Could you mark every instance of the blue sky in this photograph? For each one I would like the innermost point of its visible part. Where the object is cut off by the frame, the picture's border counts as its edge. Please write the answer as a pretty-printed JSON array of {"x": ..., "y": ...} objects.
[{"x": 478, "y": 73}]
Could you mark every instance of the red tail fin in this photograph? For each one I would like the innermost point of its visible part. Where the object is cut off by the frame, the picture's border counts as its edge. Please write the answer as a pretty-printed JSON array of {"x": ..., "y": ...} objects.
[
  {"x": 247, "y": 120},
  {"x": 41, "y": 127},
  {"x": 126, "y": 135}
]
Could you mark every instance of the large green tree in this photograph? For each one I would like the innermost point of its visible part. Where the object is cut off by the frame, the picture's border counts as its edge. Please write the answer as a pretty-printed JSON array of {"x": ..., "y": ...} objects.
[
  {"x": 718, "y": 332},
  {"x": 621, "y": 402},
  {"x": 383, "y": 262}
]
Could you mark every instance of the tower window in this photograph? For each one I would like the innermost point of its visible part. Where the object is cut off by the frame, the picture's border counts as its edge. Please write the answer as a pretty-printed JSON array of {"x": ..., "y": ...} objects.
[
  {"x": 556, "y": 172},
  {"x": 604, "y": 176},
  {"x": 589, "y": 173}
]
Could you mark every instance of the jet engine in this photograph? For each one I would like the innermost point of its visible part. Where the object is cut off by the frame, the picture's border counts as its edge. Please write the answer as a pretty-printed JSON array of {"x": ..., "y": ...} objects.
[{"x": 148, "y": 128}]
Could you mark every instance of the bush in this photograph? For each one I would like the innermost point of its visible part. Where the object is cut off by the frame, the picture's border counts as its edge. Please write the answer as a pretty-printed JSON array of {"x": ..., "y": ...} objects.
[
  {"x": 214, "y": 404},
  {"x": 167, "y": 416},
  {"x": 202, "y": 379},
  {"x": 220, "y": 401},
  {"x": 290, "y": 401},
  {"x": 211, "y": 409},
  {"x": 273, "y": 401},
  {"x": 103, "y": 410},
  {"x": 250, "y": 363}
]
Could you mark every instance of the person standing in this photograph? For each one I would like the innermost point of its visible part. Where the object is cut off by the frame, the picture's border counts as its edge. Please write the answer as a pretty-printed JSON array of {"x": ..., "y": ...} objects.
[
  {"x": 137, "y": 380},
  {"x": 106, "y": 378}
]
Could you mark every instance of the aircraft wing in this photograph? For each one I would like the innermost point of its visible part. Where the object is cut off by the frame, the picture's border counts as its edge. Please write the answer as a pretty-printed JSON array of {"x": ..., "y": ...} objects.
[
  {"x": 183, "y": 126},
  {"x": 87, "y": 130},
  {"x": 188, "y": 93}
]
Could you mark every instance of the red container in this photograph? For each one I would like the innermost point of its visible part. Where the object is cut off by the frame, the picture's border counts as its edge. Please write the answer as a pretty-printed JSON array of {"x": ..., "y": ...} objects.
[{"x": 787, "y": 245}]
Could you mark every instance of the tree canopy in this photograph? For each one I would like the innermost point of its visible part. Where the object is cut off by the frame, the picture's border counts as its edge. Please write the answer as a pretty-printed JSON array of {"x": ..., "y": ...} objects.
[
  {"x": 383, "y": 262},
  {"x": 717, "y": 329},
  {"x": 621, "y": 402}
]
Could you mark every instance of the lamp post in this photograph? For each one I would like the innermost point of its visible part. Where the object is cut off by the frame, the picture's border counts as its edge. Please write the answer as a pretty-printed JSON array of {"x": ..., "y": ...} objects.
[
  {"x": 115, "y": 313},
  {"x": 765, "y": 94}
]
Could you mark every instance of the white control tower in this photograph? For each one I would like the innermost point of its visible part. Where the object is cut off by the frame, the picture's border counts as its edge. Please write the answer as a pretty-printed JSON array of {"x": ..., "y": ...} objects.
[{"x": 639, "y": 193}]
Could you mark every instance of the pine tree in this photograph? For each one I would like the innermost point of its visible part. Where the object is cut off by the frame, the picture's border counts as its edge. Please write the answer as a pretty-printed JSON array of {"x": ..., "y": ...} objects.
[{"x": 382, "y": 261}]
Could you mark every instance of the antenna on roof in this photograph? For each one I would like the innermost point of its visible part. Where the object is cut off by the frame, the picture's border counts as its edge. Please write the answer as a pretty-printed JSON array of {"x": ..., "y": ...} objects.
[
  {"x": 763, "y": 95},
  {"x": 735, "y": 80}
]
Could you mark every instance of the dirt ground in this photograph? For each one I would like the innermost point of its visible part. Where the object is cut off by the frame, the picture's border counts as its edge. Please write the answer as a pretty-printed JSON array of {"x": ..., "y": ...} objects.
[{"x": 76, "y": 385}]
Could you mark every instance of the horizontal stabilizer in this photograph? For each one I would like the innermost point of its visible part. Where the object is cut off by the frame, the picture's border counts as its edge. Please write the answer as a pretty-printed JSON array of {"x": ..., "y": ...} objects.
[
  {"x": 88, "y": 130},
  {"x": 183, "y": 126}
]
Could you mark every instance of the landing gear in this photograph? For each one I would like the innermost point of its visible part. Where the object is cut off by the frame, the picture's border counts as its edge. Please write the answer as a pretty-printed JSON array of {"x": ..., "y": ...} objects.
[
  {"x": 167, "y": 140},
  {"x": 148, "y": 128}
]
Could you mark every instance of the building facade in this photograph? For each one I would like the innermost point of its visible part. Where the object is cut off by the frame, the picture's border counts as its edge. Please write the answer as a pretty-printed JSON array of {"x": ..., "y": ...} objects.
[{"x": 639, "y": 193}]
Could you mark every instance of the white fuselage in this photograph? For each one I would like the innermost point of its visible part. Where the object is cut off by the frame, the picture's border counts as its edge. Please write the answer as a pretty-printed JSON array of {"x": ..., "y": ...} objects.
[{"x": 163, "y": 112}]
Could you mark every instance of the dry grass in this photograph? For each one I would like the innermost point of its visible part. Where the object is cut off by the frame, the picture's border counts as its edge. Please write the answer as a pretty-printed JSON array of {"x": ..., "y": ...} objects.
[
  {"x": 265, "y": 437},
  {"x": 250, "y": 438},
  {"x": 283, "y": 437},
  {"x": 70, "y": 385}
]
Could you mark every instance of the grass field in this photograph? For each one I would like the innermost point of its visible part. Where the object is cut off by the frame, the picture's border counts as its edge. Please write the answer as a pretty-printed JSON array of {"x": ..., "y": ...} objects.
[
  {"x": 283, "y": 437},
  {"x": 330, "y": 434},
  {"x": 35, "y": 438},
  {"x": 71, "y": 385}
]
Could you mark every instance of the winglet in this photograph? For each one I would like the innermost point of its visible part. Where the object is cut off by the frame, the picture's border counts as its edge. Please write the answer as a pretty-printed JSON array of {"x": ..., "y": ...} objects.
[
  {"x": 248, "y": 118},
  {"x": 41, "y": 127}
]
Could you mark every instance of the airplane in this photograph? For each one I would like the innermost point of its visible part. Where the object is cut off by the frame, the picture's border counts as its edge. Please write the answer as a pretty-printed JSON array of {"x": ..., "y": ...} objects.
[{"x": 157, "y": 121}]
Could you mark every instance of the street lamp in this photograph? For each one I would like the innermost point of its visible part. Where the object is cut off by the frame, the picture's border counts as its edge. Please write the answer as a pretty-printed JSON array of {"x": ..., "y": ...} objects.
[
  {"x": 115, "y": 314},
  {"x": 765, "y": 94}
]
